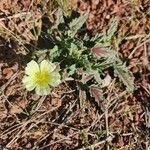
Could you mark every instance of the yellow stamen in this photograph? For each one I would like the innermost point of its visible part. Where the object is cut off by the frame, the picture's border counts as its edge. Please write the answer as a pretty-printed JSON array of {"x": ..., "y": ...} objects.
[{"x": 42, "y": 78}]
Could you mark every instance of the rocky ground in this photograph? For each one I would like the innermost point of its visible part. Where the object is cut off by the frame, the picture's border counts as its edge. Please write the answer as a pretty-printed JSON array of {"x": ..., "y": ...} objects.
[{"x": 57, "y": 122}]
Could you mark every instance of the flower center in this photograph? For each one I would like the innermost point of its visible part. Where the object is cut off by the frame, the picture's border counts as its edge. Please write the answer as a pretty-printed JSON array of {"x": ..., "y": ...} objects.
[{"x": 42, "y": 78}]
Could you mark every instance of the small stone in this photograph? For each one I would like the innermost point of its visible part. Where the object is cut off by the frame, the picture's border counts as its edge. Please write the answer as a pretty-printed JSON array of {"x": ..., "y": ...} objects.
[{"x": 108, "y": 17}]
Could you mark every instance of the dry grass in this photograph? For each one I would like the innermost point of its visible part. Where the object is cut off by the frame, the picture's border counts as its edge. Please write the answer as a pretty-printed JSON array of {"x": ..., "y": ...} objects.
[{"x": 57, "y": 122}]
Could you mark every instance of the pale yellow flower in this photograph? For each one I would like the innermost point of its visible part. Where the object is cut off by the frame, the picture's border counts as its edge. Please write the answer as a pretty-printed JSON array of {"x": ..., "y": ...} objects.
[{"x": 40, "y": 77}]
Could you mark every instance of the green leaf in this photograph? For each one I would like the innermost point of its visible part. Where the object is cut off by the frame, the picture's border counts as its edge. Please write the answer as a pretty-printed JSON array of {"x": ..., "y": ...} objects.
[
  {"x": 107, "y": 56},
  {"x": 76, "y": 24},
  {"x": 72, "y": 69},
  {"x": 60, "y": 17},
  {"x": 112, "y": 29},
  {"x": 125, "y": 76},
  {"x": 97, "y": 38},
  {"x": 55, "y": 53},
  {"x": 96, "y": 75},
  {"x": 104, "y": 39},
  {"x": 73, "y": 49},
  {"x": 75, "y": 52},
  {"x": 86, "y": 63}
]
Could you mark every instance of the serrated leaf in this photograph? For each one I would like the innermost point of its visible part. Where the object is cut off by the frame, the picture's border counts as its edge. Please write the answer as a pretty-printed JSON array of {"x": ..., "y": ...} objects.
[
  {"x": 72, "y": 69},
  {"x": 97, "y": 38},
  {"x": 108, "y": 54},
  {"x": 60, "y": 18},
  {"x": 86, "y": 77},
  {"x": 112, "y": 29},
  {"x": 99, "y": 51},
  {"x": 125, "y": 76},
  {"x": 96, "y": 92},
  {"x": 76, "y": 24},
  {"x": 55, "y": 53},
  {"x": 86, "y": 37},
  {"x": 86, "y": 63},
  {"x": 73, "y": 49},
  {"x": 96, "y": 75},
  {"x": 75, "y": 52}
]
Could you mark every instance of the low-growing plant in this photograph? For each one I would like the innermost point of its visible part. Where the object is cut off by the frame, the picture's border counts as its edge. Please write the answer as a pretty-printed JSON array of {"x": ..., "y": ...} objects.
[{"x": 84, "y": 58}]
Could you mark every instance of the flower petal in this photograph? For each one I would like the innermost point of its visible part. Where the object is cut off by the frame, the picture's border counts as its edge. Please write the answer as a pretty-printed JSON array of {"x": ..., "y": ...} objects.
[
  {"x": 55, "y": 79},
  {"x": 47, "y": 66},
  {"x": 32, "y": 68},
  {"x": 29, "y": 84},
  {"x": 40, "y": 90}
]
